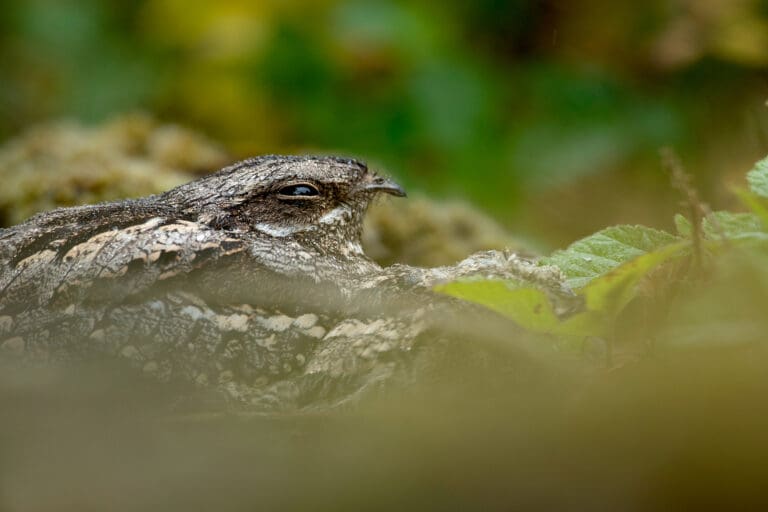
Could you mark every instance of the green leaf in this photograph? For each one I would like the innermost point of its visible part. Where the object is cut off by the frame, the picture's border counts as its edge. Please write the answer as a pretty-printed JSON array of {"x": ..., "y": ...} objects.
[
  {"x": 754, "y": 203},
  {"x": 730, "y": 225},
  {"x": 605, "y": 296},
  {"x": 609, "y": 294},
  {"x": 683, "y": 225},
  {"x": 758, "y": 178},
  {"x": 529, "y": 307},
  {"x": 602, "y": 252}
]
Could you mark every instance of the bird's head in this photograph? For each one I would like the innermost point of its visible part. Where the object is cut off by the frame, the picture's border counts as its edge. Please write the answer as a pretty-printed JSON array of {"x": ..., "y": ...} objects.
[{"x": 286, "y": 196}]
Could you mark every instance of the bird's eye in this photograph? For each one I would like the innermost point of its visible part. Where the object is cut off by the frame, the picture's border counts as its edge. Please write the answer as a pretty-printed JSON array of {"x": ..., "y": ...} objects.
[{"x": 299, "y": 190}]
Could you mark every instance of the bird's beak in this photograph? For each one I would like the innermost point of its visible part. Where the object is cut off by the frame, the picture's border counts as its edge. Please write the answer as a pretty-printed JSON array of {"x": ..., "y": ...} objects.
[{"x": 379, "y": 184}]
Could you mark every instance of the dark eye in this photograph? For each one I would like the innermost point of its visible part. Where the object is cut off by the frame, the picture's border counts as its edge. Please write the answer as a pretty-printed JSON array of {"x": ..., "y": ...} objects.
[{"x": 299, "y": 190}]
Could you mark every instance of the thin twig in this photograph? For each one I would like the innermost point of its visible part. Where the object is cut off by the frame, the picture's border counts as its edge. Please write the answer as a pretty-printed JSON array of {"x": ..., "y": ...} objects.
[{"x": 697, "y": 209}]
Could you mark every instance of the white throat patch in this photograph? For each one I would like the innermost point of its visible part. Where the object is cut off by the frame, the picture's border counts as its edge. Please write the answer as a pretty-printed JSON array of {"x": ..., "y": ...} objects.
[
  {"x": 281, "y": 231},
  {"x": 336, "y": 216}
]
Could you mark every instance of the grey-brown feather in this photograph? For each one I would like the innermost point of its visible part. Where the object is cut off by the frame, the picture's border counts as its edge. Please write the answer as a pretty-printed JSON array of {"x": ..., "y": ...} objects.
[{"x": 222, "y": 282}]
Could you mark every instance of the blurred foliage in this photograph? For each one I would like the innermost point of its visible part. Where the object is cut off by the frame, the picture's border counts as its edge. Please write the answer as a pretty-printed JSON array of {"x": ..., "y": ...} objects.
[
  {"x": 670, "y": 276},
  {"x": 536, "y": 109}
]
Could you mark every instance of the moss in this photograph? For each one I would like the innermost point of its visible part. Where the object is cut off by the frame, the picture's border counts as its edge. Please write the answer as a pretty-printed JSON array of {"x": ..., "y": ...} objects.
[
  {"x": 424, "y": 232},
  {"x": 66, "y": 163}
]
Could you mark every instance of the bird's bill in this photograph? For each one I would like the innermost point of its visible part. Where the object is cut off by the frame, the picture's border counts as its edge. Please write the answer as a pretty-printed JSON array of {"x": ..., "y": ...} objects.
[{"x": 380, "y": 184}]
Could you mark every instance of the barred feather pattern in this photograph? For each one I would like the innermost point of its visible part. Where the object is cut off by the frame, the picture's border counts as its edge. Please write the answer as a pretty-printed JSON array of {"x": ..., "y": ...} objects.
[{"x": 226, "y": 284}]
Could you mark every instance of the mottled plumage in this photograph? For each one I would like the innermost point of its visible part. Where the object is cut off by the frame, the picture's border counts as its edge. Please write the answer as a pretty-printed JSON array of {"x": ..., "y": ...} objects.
[{"x": 250, "y": 281}]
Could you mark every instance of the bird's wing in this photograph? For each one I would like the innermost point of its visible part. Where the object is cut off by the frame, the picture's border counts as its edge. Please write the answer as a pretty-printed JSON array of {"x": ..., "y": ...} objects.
[{"x": 48, "y": 270}]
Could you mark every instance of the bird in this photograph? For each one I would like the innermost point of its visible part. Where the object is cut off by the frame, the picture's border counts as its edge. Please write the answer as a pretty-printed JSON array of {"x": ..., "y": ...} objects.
[{"x": 250, "y": 281}]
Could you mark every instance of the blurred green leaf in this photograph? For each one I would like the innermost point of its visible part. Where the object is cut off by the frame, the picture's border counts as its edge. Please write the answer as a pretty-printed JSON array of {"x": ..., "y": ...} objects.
[
  {"x": 758, "y": 178},
  {"x": 609, "y": 293},
  {"x": 600, "y": 253},
  {"x": 531, "y": 308},
  {"x": 732, "y": 225},
  {"x": 605, "y": 268},
  {"x": 528, "y": 307},
  {"x": 683, "y": 225},
  {"x": 755, "y": 203}
]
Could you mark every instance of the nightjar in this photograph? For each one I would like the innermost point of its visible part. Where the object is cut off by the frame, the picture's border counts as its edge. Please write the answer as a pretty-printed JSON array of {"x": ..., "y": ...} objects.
[{"x": 250, "y": 282}]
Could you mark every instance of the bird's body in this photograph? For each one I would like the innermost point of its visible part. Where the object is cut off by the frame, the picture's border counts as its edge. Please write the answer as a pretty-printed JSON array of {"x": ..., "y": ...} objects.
[{"x": 245, "y": 280}]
